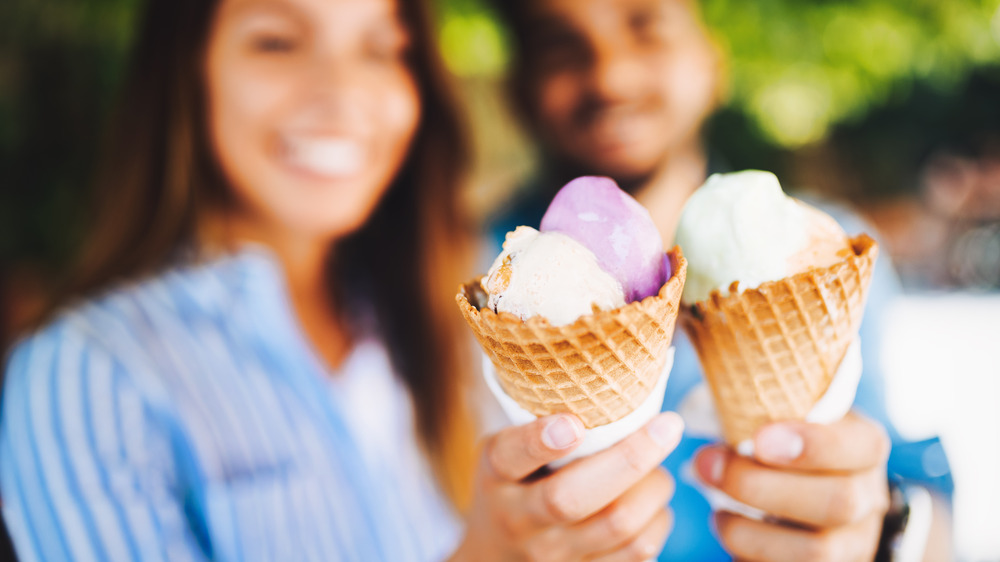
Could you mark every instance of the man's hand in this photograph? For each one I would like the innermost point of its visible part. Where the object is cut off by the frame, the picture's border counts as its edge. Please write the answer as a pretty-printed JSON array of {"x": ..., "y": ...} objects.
[
  {"x": 824, "y": 486},
  {"x": 609, "y": 506}
]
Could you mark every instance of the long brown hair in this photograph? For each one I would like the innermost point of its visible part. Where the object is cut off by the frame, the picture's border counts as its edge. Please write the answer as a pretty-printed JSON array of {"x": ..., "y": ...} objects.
[{"x": 159, "y": 178}]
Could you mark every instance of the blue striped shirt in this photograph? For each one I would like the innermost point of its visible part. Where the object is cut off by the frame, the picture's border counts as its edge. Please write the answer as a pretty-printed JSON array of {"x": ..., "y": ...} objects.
[{"x": 185, "y": 417}]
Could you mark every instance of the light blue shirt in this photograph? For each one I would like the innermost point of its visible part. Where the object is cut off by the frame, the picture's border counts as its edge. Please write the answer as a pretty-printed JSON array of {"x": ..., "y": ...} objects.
[{"x": 185, "y": 417}]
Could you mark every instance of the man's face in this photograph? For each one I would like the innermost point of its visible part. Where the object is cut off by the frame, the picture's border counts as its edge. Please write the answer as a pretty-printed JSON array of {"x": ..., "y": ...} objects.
[{"x": 614, "y": 86}]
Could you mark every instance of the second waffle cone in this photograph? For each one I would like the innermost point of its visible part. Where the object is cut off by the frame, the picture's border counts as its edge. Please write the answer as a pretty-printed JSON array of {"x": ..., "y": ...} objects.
[{"x": 770, "y": 353}]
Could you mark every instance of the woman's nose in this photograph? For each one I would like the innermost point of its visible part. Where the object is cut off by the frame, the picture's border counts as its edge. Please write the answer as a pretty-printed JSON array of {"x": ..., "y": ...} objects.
[{"x": 335, "y": 86}]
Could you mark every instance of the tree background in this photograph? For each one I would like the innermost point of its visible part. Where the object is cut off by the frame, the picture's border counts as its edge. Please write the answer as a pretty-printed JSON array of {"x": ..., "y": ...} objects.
[{"x": 854, "y": 99}]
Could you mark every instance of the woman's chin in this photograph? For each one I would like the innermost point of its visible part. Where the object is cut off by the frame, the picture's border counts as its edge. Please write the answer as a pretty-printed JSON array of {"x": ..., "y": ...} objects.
[
  {"x": 324, "y": 207},
  {"x": 327, "y": 228}
]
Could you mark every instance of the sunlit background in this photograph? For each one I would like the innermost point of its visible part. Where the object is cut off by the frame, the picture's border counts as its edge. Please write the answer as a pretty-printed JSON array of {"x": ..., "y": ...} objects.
[{"x": 891, "y": 105}]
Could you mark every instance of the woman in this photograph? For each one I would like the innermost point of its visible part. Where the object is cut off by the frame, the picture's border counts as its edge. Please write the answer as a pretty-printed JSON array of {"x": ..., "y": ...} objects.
[{"x": 264, "y": 364}]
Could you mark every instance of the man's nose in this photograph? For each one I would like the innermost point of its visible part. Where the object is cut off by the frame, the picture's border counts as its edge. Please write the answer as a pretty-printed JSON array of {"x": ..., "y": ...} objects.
[{"x": 615, "y": 72}]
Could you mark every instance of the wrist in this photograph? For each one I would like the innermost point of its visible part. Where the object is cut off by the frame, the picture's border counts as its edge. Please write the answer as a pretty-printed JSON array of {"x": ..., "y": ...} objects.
[
  {"x": 474, "y": 548},
  {"x": 460, "y": 554}
]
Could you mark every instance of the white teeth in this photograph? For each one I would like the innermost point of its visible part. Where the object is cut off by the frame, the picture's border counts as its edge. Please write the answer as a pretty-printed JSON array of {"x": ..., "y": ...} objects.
[{"x": 326, "y": 157}]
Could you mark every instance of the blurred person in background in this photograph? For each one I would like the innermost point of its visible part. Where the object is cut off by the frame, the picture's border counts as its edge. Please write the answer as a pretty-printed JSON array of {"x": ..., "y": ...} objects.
[
  {"x": 962, "y": 194},
  {"x": 259, "y": 357},
  {"x": 622, "y": 88}
]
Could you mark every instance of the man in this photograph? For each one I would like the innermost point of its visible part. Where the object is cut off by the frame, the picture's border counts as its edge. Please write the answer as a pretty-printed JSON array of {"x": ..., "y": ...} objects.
[{"x": 621, "y": 88}]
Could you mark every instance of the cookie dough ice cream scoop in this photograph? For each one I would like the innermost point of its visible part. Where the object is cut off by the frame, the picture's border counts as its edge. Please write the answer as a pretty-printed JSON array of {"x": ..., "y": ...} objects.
[{"x": 551, "y": 275}]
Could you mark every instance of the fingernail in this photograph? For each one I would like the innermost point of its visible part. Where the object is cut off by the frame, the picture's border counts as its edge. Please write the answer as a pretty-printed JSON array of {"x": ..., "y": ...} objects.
[
  {"x": 713, "y": 524},
  {"x": 560, "y": 433},
  {"x": 665, "y": 428},
  {"x": 711, "y": 464},
  {"x": 778, "y": 443}
]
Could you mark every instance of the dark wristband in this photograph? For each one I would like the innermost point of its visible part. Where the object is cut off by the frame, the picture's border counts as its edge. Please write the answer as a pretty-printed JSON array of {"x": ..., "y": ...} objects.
[{"x": 906, "y": 524}]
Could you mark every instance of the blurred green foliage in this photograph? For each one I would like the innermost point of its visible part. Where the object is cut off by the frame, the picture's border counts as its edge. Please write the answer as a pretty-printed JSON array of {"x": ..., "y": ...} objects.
[
  {"x": 60, "y": 62},
  {"x": 798, "y": 70},
  {"x": 796, "y": 67}
]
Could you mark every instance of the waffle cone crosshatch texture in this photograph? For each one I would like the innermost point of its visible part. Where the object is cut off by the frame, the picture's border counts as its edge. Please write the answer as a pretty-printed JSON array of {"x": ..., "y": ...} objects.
[
  {"x": 770, "y": 353},
  {"x": 600, "y": 367}
]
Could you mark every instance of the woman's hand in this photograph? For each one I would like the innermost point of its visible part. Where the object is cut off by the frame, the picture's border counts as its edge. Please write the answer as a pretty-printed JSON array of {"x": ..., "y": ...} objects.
[
  {"x": 824, "y": 485},
  {"x": 608, "y": 506}
]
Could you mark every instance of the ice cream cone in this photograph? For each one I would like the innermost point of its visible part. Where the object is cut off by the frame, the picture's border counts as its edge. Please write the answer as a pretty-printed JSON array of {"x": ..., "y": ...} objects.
[
  {"x": 600, "y": 367},
  {"x": 770, "y": 353}
]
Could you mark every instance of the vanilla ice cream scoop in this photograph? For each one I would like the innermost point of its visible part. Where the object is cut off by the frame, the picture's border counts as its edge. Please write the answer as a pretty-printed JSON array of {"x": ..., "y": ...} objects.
[
  {"x": 551, "y": 275},
  {"x": 742, "y": 228}
]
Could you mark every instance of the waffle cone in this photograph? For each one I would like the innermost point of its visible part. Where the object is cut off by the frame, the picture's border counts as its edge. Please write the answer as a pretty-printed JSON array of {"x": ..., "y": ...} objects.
[
  {"x": 600, "y": 367},
  {"x": 770, "y": 353}
]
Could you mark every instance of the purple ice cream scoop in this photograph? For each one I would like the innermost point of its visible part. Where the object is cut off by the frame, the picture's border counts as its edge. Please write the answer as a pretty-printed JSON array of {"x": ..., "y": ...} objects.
[{"x": 595, "y": 212}]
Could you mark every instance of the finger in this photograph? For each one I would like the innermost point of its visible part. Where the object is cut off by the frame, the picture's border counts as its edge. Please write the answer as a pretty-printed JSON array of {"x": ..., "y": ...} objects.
[
  {"x": 853, "y": 443},
  {"x": 758, "y": 540},
  {"x": 585, "y": 486},
  {"x": 820, "y": 501},
  {"x": 626, "y": 517},
  {"x": 515, "y": 452},
  {"x": 646, "y": 545},
  {"x": 611, "y": 528}
]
